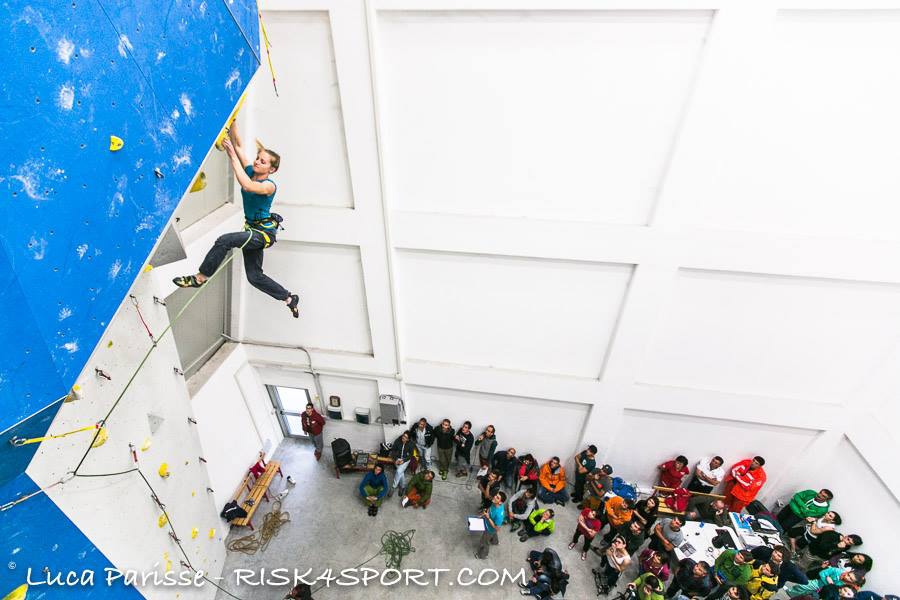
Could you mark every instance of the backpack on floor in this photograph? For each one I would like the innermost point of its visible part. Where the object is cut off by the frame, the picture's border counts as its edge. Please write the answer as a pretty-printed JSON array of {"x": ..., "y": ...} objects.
[
  {"x": 340, "y": 448},
  {"x": 233, "y": 511},
  {"x": 625, "y": 490}
]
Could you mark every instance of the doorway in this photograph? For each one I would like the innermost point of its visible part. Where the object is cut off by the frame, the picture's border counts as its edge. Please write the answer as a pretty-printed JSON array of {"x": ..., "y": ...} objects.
[{"x": 289, "y": 405}]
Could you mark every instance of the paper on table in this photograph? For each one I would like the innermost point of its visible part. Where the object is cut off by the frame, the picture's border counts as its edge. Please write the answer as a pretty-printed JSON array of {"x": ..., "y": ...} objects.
[{"x": 476, "y": 523}]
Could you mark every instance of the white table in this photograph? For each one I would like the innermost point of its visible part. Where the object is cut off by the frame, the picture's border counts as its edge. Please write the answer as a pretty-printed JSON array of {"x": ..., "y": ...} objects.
[
  {"x": 700, "y": 536},
  {"x": 750, "y": 538}
]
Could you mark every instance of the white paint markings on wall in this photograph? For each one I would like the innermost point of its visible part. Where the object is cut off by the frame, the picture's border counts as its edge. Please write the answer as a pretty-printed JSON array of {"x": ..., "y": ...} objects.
[
  {"x": 167, "y": 128},
  {"x": 181, "y": 158},
  {"x": 38, "y": 247},
  {"x": 159, "y": 56},
  {"x": 64, "y": 50},
  {"x": 175, "y": 114},
  {"x": 71, "y": 347},
  {"x": 187, "y": 105},
  {"x": 81, "y": 250},
  {"x": 28, "y": 176},
  {"x": 66, "y": 98},
  {"x": 115, "y": 268},
  {"x": 233, "y": 77},
  {"x": 85, "y": 52},
  {"x": 124, "y": 44},
  {"x": 118, "y": 198},
  {"x": 64, "y": 313}
]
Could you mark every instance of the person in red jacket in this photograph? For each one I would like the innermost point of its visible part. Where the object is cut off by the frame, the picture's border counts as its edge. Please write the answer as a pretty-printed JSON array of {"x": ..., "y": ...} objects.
[
  {"x": 743, "y": 483},
  {"x": 313, "y": 423}
]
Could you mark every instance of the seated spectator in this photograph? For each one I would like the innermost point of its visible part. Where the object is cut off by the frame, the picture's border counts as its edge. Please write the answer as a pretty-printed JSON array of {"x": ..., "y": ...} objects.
[
  {"x": 552, "y": 483},
  {"x": 584, "y": 464},
  {"x": 521, "y": 505},
  {"x": 830, "y": 576},
  {"x": 615, "y": 560},
  {"x": 402, "y": 453},
  {"x": 744, "y": 481},
  {"x": 673, "y": 472},
  {"x": 708, "y": 473},
  {"x": 732, "y": 568},
  {"x": 488, "y": 485},
  {"x": 419, "y": 491},
  {"x": 830, "y": 543},
  {"x": 506, "y": 464},
  {"x": 527, "y": 473},
  {"x": 692, "y": 579},
  {"x": 619, "y": 511},
  {"x": 667, "y": 535},
  {"x": 654, "y": 562},
  {"x": 709, "y": 511},
  {"x": 789, "y": 572},
  {"x": 802, "y": 536},
  {"x": 540, "y": 522},
  {"x": 763, "y": 581},
  {"x": 645, "y": 511},
  {"x": 444, "y": 440},
  {"x": 647, "y": 587},
  {"x": 598, "y": 486},
  {"x": 464, "y": 440},
  {"x": 843, "y": 560},
  {"x": 373, "y": 488},
  {"x": 804, "y": 504},
  {"x": 487, "y": 444},
  {"x": 588, "y": 527}
]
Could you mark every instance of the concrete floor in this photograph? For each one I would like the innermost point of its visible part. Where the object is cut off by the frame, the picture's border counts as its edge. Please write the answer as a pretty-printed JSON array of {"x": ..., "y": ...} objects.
[{"x": 330, "y": 529}]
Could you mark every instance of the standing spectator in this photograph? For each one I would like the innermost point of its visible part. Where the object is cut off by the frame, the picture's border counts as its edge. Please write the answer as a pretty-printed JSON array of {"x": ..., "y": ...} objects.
[
  {"x": 830, "y": 543},
  {"x": 521, "y": 504},
  {"x": 444, "y": 437},
  {"x": 494, "y": 517},
  {"x": 647, "y": 587},
  {"x": 802, "y": 536},
  {"x": 692, "y": 579},
  {"x": 540, "y": 522},
  {"x": 584, "y": 464},
  {"x": 632, "y": 533},
  {"x": 645, "y": 511},
  {"x": 464, "y": 441},
  {"x": 744, "y": 481},
  {"x": 830, "y": 576},
  {"x": 732, "y": 567},
  {"x": 654, "y": 562},
  {"x": 619, "y": 511},
  {"x": 402, "y": 453},
  {"x": 552, "y": 480},
  {"x": 803, "y": 504},
  {"x": 488, "y": 485},
  {"x": 763, "y": 581},
  {"x": 487, "y": 444},
  {"x": 506, "y": 464},
  {"x": 788, "y": 571},
  {"x": 527, "y": 473},
  {"x": 673, "y": 472},
  {"x": 312, "y": 424},
  {"x": 667, "y": 535},
  {"x": 588, "y": 527},
  {"x": 419, "y": 491},
  {"x": 599, "y": 484},
  {"x": 422, "y": 433},
  {"x": 615, "y": 560},
  {"x": 845, "y": 560},
  {"x": 708, "y": 473},
  {"x": 373, "y": 488}
]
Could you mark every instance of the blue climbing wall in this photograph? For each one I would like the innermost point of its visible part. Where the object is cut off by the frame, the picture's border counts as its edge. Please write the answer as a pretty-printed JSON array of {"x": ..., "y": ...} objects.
[{"x": 79, "y": 221}]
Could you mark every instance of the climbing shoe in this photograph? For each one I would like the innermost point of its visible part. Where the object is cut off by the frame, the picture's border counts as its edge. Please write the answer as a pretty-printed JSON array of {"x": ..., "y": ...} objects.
[
  {"x": 294, "y": 306},
  {"x": 188, "y": 281}
]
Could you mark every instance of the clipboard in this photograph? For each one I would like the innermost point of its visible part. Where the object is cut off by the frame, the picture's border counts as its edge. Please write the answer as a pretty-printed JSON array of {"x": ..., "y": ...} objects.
[{"x": 476, "y": 524}]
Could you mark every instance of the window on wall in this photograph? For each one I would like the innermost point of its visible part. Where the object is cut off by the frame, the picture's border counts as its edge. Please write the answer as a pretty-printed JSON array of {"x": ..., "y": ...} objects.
[
  {"x": 218, "y": 192},
  {"x": 289, "y": 404},
  {"x": 198, "y": 333}
]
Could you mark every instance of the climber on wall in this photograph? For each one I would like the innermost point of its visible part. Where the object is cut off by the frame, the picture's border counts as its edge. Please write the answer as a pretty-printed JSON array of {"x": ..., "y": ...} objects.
[{"x": 260, "y": 227}]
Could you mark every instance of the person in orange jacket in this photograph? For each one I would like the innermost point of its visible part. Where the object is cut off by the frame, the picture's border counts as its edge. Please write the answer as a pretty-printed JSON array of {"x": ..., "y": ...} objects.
[
  {"x": 619, "y": 511},
  {"x": 743, "y": 483},
  {"x": 552, "y": 483}
]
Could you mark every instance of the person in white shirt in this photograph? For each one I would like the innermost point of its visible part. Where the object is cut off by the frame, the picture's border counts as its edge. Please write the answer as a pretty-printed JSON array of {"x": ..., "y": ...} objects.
[{"x": 708, "y": 473}]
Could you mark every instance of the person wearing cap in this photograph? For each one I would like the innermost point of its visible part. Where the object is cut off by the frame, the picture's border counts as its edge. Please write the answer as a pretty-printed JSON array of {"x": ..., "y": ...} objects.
[
  {"x": 744, "y": 480},
  {"x": 584, "y": 464}
]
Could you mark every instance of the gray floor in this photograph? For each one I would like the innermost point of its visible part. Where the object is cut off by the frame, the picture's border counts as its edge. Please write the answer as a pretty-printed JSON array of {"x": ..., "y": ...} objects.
[{"x": 330, "y": 529}]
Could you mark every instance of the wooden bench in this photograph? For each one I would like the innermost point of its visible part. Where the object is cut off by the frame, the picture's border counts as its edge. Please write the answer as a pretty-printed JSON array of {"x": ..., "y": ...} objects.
[
  {"x": 256, "y": 493},
  {"x": 663, "y": 509},
  {"x": 356, "y": 465}
]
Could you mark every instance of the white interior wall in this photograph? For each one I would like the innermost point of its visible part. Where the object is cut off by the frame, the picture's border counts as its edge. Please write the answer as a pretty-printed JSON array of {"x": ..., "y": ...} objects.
[{"x": 654, "y": 217}]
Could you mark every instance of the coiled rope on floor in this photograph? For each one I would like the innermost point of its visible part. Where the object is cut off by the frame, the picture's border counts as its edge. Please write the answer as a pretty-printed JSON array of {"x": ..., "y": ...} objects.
[
  {"x": 272, "y": 524},
  {"x": 395, "y": 545}
]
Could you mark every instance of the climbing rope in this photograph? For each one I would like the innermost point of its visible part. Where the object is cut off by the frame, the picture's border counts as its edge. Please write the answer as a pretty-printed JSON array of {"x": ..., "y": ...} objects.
[
  {"x": 272, "y": 524},
  {"x": 394, "y": 546},
  {"x": 268, "y": 45}
]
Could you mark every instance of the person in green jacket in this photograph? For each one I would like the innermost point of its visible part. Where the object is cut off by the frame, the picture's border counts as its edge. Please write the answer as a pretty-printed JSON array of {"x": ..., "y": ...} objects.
[
  {"x": 418, "y": 493},
  {"x": 540, "y": 522},
  {"x": 732, "y": 567},
  {"x": 648, "y": 587},
  {"x": 803, "y": 504}
]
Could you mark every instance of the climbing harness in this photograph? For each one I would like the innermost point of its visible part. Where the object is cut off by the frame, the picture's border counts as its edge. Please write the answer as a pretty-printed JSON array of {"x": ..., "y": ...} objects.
[{"x": 264, "y": 227}]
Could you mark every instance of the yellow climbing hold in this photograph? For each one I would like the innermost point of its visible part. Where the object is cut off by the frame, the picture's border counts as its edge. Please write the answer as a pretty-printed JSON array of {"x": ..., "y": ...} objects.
[
  {"x": 162, "y": 521},
  {"x": 194, "y": 533},
  {"x": 212, "y": 533},
  {"x": 148, "y": 268},
  {"x": 109, "y": 344},
  {"x": 101, "y": 438},
  {"x": 18, "y": 593},
  {"x": 146, "y": 445},
  {"x": 115, "y": 143},
  {"x": 74, "y": 393},
  {"x": 164, "y": 470},
  {"x": 199, "y": 182}
]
